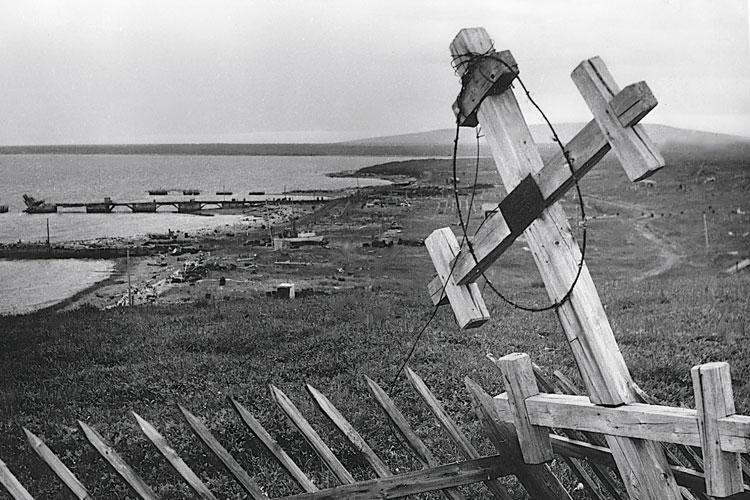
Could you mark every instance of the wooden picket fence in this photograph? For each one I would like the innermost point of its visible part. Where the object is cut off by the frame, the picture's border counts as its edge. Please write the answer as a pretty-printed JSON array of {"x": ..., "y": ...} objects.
[{"x": 585, "y": 454}]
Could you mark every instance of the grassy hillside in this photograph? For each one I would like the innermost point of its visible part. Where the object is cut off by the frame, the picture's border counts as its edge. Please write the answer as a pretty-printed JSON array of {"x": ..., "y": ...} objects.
[{"x": 668, "y": 301}]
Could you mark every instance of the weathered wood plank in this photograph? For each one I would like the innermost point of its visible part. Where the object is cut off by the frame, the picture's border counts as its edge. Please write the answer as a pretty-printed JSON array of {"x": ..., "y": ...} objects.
[
  {"x": 462, "y": 442},
  {"x": 190, "y": 477},
  {"x": 117, "y": 463},
  {"x": 313, "y": 438},
  {"x": 714, "y": 400},
  {"x": 638, "y": 155},
  {"x": 538, "y": 480},
  {"x": 412, "y": 483},
  {"x": 277, "y": 451},
  {"x": 60, "y": 469},
  {"x": 413, "y": 442},
  {"x": 356, "y": 441},
  {"x": 242, "y": 477},
  {"x": 642, "y": 464},
  {"x": 466, "y": 300},
  {"x": 13, "y": 485},
  {"x": 520, "y": 384},
  {"x": 666, "y": 424}
]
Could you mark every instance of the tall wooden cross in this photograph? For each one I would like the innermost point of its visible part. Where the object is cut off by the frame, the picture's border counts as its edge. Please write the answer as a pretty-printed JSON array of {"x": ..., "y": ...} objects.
[{"x": 530, "y": 208}]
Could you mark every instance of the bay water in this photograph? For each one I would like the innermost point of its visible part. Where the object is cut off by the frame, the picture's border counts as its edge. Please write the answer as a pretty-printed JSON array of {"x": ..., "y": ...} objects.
[{"x": 30, "y": 285}]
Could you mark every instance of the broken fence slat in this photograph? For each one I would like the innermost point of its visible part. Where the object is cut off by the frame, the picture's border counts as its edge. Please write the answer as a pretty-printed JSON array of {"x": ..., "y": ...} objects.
[
  {"x": 117, "y": 463},
  {"x": 13, "y": 485},
  {"x": 350, "y": 433},
  {"x": 277, "y": 451},
  {"x": 462, "y": 443},
  {"x": 414, "y": 482},
  {"x": 688, "y": 478},
  {"x": 312, "y": 437},
  {"x": 538, "y": 480},
  {"x": 242, "y": 477},
  {"x": 415, "y": 444},
  {"x": 174, "y": 460},
  {"x": 61, "y": 471}
]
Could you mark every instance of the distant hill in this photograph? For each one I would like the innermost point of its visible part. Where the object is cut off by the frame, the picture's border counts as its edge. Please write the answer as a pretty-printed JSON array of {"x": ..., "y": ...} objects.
[
  {"x": 661, "y": 134},
  {"x": 434, "y": 143}
]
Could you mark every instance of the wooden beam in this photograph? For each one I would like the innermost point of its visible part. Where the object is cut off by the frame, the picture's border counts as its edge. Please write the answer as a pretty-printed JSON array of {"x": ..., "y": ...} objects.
[
  {"x": 271, "y": 445},
  {"x": 234, "y": 468},
  {"x": 520, "y": 382},
  {"x": 190, "y": 477},
  {"x": 714, "y": 400},
  {"x": 60, "y": 469},
  {"x": 642, "y": 464},
  {"x": 12, "y": 485},
  {"x": 466, "y": 300},
  {"x": 313, "y": 438},
  {"x": 412, "y": 483},
  {"x": 118, "y": 464},
  {"x": 656, "y": 423},
  {"x": 637, "y": 154}
]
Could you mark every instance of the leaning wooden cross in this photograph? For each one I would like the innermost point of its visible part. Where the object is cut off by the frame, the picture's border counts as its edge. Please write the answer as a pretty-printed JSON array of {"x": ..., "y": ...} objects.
[{"x": 530, "y": 209}]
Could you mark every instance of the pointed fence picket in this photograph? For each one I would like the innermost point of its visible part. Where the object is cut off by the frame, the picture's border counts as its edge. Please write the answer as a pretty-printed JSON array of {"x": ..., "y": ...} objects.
[{"x": 585, "y": 454}]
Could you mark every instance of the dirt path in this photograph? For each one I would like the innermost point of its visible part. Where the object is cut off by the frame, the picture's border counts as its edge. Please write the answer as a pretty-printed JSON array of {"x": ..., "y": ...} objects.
[{"x": 669, "y": 253}]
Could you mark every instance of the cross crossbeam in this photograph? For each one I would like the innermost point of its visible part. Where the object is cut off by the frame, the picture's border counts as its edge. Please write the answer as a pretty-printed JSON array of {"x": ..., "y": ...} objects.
[{"x": 713, "y": 426}]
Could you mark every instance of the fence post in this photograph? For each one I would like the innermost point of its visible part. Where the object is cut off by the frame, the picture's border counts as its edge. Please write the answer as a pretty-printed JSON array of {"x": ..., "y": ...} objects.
[{"x": 712, "y": 385}]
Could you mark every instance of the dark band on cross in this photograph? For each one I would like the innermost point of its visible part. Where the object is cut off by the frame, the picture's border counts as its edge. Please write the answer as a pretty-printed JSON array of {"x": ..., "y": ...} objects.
[{"x": 615, "y": 126}]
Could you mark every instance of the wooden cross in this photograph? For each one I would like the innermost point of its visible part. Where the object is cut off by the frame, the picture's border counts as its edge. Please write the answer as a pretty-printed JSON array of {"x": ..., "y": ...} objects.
[
  {"x": 712, "y": 426},
  {"x": 533, "y": 211},
  {"x": 615, "y": 126}
]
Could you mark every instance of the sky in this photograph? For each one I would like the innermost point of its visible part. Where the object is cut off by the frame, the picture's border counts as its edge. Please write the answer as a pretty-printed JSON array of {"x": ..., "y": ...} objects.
[{"x": 150, "y": 71}]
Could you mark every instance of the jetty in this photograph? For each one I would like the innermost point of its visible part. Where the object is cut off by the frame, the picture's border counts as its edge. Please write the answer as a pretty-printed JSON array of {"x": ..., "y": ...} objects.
[{"x": 188, "y": 206}]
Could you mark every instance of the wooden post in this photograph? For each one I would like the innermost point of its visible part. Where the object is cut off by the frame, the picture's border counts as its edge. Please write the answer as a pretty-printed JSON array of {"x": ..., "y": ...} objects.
[
  {"x": 705, "y": 230},
  {"x": 127, "y": 269},
  {"x": 714, "y": 400},
  {"x": 520, "y": 383},
  {"x": 642, "y": 464}
]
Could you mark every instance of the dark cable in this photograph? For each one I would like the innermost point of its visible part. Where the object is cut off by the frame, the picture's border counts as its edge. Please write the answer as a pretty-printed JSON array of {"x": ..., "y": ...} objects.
[{"x": 471, "y": 61}]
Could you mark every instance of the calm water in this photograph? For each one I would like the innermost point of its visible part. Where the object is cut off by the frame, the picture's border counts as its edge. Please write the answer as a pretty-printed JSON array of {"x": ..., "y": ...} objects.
[{"x": 88, "y": 178}]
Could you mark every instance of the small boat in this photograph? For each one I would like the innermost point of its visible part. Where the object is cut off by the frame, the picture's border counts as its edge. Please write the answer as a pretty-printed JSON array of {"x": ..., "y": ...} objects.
[
  {"x": 3, "y": 209},
  {"x": 191, "y": 192},
  {"x": 224, "y": 193},
  {"x": 34, "y": 206},
  {"x": 158, "y": 192},
  {"x": 256, "y": 193}
]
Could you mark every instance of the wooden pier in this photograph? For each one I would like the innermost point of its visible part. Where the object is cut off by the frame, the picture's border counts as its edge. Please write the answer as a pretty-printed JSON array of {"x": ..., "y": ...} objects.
[{"x": 186, "y": 206}]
